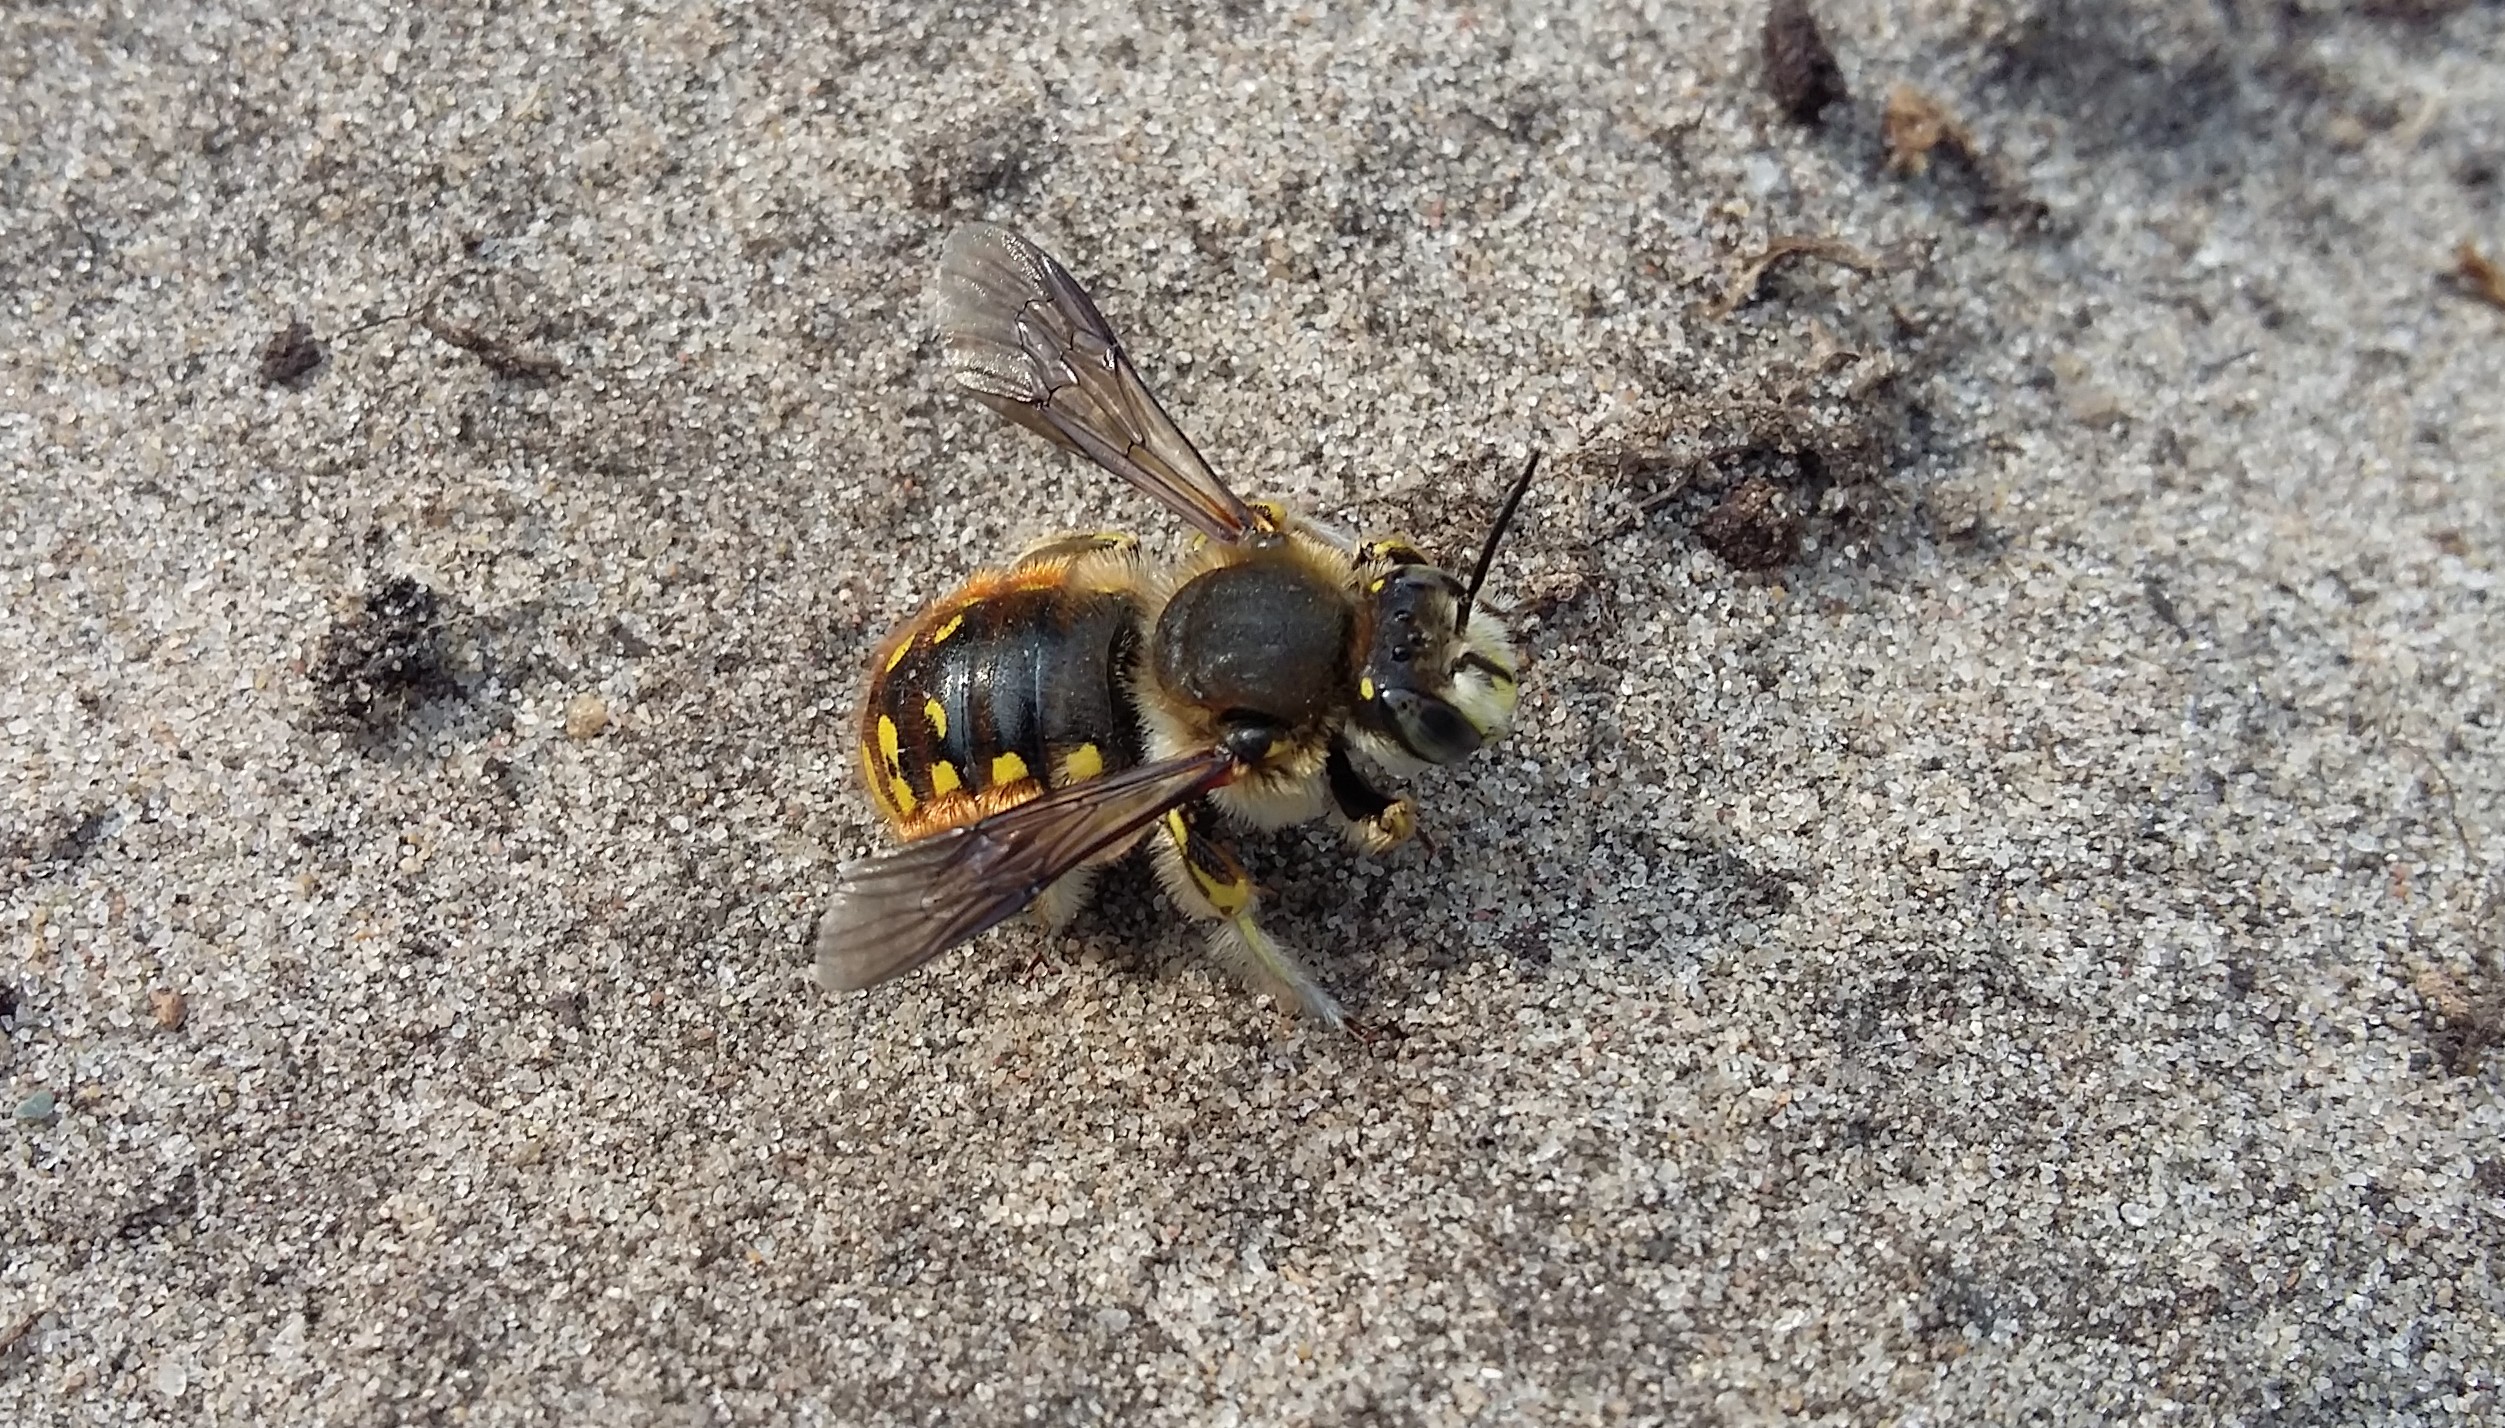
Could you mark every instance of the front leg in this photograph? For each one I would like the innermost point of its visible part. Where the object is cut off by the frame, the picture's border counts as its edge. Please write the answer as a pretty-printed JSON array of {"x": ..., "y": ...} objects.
[{"x": 1376, "y": 823}]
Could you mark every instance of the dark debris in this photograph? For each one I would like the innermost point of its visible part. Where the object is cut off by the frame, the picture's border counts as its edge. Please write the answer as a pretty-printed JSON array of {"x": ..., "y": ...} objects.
[
  {"x": 1758, "y": 479},
  {"x": 1801, "y": 72},
  {"x": 967, "y": 168},
  {"x": 60, "y": 840},
  {"x": 291, "y": 355},
  {"x": 1756, "y": 527},
  {"x": 2418, "y": 12},
  {"x": 1916, "y": 126},
  {"x": 2489, "y": 1175},
  {"x": 2461, "y": 1042},
  {"x": 179, "y": 1203},
  {"x": 373, "y": 666}
]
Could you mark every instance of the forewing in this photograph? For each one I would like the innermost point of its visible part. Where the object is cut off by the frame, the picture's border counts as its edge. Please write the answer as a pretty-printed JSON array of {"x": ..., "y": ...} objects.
[
  {"x": 895, "y": 911},
  {"x": 1024, "y": 337}
]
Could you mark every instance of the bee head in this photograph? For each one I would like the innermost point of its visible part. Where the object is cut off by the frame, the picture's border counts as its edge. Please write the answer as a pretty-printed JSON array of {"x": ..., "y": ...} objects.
[{"x": 1438, "y": 682}]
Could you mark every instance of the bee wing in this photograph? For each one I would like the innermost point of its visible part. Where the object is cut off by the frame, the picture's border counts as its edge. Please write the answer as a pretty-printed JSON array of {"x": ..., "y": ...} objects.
[
  {"x": 896, "y": 910},
  {"x": 1025, "y": 338}
]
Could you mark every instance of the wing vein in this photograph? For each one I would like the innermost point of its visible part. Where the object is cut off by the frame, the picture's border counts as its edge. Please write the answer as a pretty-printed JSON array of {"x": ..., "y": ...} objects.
[
  {"x": 896, "y": 910},
  {"x": 1024, "y": 338}
]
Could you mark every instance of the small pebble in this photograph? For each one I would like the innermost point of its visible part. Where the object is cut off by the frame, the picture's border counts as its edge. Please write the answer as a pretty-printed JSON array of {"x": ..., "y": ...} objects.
[
  {"x": 38, "y": 1109},
  {"x": 585, "y": 716}
]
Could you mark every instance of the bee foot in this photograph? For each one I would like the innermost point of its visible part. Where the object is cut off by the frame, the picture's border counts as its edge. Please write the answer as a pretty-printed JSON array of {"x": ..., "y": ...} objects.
[
  {"x": 1395, "y": 825},
  {"x": 1275, "y": 970}
]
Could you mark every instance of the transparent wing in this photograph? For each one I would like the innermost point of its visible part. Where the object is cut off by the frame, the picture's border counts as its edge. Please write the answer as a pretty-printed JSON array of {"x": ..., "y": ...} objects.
[
  {"x": 1024, "y": 337},
  {"x": 897, "y": 910}
]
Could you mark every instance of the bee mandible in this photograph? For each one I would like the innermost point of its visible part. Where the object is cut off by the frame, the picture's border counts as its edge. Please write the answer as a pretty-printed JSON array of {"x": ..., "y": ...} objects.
[{"x": 1043, "y": 720}]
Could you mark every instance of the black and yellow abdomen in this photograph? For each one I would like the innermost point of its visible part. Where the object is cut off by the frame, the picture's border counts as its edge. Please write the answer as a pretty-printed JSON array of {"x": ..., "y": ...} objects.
[{"x": 1017, "y": 682}]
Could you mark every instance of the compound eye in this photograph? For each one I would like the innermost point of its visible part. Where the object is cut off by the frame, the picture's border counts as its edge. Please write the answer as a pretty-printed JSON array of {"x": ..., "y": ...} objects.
[{"x": 1428, "y": 727}]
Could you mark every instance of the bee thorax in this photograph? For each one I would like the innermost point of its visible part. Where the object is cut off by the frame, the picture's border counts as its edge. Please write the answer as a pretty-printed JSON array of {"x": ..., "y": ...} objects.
[{"x": 1266, "y": 639}]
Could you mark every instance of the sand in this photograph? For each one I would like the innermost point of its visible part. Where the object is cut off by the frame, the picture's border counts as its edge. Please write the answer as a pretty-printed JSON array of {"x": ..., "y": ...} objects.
[{"x": 1992, "y": 911}]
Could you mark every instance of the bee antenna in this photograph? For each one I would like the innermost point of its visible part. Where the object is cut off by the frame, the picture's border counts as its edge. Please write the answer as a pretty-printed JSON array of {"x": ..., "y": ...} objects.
[{"x": 1496, "y": 533}]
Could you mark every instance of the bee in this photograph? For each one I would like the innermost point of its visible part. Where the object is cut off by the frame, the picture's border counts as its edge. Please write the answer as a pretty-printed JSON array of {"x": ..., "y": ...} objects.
[{"x": 1043, "y": 720}]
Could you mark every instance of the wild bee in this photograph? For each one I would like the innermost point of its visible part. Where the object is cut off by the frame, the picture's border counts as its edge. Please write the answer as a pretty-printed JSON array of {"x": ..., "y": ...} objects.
[{"x": 1042, "y": 720}]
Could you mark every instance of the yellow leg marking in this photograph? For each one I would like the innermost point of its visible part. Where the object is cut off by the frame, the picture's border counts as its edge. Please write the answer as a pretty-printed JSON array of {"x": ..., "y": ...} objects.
[
  {"x": 1230, "y": 898},
  {"x": 944, "y": 631},
  {"x": 1225, "y": 885},
  {"x": 1395, "y": 550},
  {"x": 937, "y": 716},
  {"x": 1085, "y": 762},
  {"x": 944, "y": 780},
  {"x": 888, "y": 746},
  {"x": 903, "y": 648},
  {"x": 1365, "y": 689},
  {"x": 1007, "y": 768},
  {"x": 902, "y": 792}
]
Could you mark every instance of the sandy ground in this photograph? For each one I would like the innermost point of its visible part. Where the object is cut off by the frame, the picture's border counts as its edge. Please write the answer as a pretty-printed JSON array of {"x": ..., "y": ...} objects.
[{"x": 1991, "y": 913}]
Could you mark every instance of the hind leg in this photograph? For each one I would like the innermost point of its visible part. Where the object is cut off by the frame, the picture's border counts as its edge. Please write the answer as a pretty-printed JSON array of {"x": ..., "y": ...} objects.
[
  {"x": 1055, "y": 907},
  {"x": 1206, "y": 881},
  {"x": 1070, "y": 547}
]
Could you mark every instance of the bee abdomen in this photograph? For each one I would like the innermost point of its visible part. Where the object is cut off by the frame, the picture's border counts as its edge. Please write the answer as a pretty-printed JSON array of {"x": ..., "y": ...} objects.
[{"x": 1016, "y": 683}]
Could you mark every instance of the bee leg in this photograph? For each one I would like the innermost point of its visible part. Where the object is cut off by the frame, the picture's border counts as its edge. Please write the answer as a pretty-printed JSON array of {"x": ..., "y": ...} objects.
[
  {"x": 1390, "y": 550},
  {"x": 1376, "y": 823},
  {"x": 1206, "y": 881},
  {"x": 1055, "y": 906},
  {"x": 1067, "y": 546},
  {"x": 1053, "y": 910}
]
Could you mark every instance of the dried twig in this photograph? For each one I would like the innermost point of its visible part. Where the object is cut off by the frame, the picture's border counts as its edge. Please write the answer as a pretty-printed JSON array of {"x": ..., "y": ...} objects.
[
  {"x": 1743, "y": 287},
  {"x": 501, "y": 357},
  {"x": 2479, "y": 273},
  {"x": 21, "y": 1329}
]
